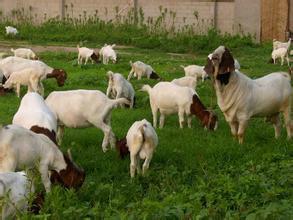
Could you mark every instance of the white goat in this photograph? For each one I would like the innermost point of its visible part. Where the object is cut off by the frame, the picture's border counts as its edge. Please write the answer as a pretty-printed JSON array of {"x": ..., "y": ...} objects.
[
  {"x": 86, "y": 53},
  {"x": 87, "y": 108},
  {"x": 119, "y": 87},
  {"x": 24, "y": 53},
  {"x": 15, "y": 189},
  {"x": 141, "y": 69},
  {"x": 169, "y": 98},
  {"x": 12, "y": 64},
  {"x": 279, "y": 44},
  {"x": 11, "y": 30},
  {"x": 142, "y": 141},
  {"x": 108, "y": 53},
  {"x": 280, "y": 53},
  {"x": 34, "y": 114},
  {"x": 30, "y": 77},
  {"x": 195, "y": 71},
  {"x": 241, "y": 98},
  {"x": 187, "y": 81},
  {"x": 20, "y": 147}
]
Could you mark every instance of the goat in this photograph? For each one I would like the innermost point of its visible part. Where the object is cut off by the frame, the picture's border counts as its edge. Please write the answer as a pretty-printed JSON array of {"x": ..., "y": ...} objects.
[
  {"x": 108, "y": 53},
  {"x": 187, "y": 81},
  {"x": 86, "y": 53},
  {"x": 119, "y": 87},
  {"x": 280, "y": 53},
  {"x": 141, "y": 69},
  {"x": 24, "y": 53},
  {"x": 34, "y": 114},
  {"x": 195, "y": 71},
  {"x": 87, "y": 108},
  {"x": 169, "y": 98},
  {"x": 20, "y": 147},
  {"x": 11, "y": 30},
  {"x": 241, "y": 98},
  {"x": 30, "y": 77}
]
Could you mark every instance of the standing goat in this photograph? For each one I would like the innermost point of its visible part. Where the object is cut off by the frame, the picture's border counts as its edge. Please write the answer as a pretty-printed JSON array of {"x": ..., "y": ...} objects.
[
  {"x": 141, "y": 69},
  {"x": 141, "y": 141},
  {"x": 24, "y": 53},
  {"x": 20, "y": 147},
  {"x": 169, "y": 98},
  {"x": 87, "y": 108},
  {"x": 108, "y": 53},
  {"x": 86, "y": 53},
  {"x": 119, "y": 87},
  {"x": 241, "y": 98},
  {"x": 280, "y": 53}
]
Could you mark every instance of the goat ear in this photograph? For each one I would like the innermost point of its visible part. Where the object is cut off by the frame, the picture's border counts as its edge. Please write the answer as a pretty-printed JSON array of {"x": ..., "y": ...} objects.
[
  {"x": 209, "y": 68},
  {"x": 227, "y": 63},
  {"x": 69, "y": 154}
]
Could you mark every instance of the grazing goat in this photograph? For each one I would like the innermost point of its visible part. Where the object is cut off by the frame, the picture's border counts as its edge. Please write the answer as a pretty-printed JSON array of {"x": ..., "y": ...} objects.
[
  {"x": 279, "y": 44},
  {"x": 24, "y": 53},
  {"x": 195, "y": 71},
  {"x": 141, "y": 141},
  {"x": 187, "y": 81},
  {"x": 87, "y": 108},
  {"x": 86, "y": 53},
  {"x": 20, "y": 147},
  {"x": 30, "y": 77},
  {"x": 34, "y": 114},
  {"x": 119, "y": 87},
  {"x": 108, "y": 53},
  {"x": 15, "y": 189},
  {"x": 169, "y": 98},
  {"x": 241, "y": 98},
  {"x": 12, "y": 64},
  {"x": 141, "y": 69},
  {"x": 11, "y": 30},
  {"x": 280, "y": 53}
]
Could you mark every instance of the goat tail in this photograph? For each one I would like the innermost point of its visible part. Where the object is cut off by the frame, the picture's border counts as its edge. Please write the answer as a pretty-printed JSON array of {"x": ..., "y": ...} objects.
[
  {"x": 12, "y": 50},
  {"x": 182, "y": 66},
  {"x": 77, "y": 46},
  {"x": 146, "y": 88},
  {"x": 130, "y": 62}
]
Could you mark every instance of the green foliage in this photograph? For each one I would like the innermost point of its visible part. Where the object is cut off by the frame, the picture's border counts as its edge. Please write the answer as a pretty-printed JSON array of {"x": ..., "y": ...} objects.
[{"x": 195, "y": 174}]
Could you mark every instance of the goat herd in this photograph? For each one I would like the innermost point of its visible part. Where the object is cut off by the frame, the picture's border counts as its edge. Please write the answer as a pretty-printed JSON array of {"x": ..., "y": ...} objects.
[{"x": 37, "y": 127}]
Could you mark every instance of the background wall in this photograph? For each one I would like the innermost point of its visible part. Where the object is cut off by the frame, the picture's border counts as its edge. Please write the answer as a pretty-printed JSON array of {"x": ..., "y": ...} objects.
[{"x": 256, "y": 17}]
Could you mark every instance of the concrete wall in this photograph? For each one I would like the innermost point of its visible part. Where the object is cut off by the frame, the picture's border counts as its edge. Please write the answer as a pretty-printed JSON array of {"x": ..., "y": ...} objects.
[{"x": 231, "y": 16}]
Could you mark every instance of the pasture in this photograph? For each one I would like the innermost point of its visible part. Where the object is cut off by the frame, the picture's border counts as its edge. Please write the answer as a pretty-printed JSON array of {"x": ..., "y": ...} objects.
[{"x": 194, "y": 174}]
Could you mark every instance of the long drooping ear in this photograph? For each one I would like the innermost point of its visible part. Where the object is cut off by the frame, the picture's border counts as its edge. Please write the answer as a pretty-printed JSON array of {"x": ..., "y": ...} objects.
[
  {"x": 209, "y": 68},
  {"x": 227, "y": 63}
]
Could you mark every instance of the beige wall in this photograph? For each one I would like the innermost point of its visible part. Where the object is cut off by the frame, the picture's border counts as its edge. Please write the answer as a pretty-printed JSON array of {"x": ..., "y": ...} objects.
[{"x": 226, "y": 15}]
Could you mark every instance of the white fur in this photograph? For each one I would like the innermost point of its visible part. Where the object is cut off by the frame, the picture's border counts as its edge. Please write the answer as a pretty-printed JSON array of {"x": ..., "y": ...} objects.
[
  {"x": 24, "y": 53},
  {"x": 280, "y": 53},
  {"x": 195, "y": 71},
  {"x": 142, "y": 141},
  {"x": 279, "y": 44},
  {"x": 84, "y": 108},
  {"x": 30, "y": 77},
  {"x": 15, "y": 189},
  {"x": 34, "y": 111},
  {"x": 169, "y": 98},
  {"x": 140, "y": 69},
  {"x": 119, "y": 87},
  {"x": 108, "y": 53},
  {"x": 84, "y": 53},
  {"x": 243, "y": 98},
  {"x": 11, "y": 30},
  {"x": 187, "y": 81},
  {"x": 20, "y": 147}
]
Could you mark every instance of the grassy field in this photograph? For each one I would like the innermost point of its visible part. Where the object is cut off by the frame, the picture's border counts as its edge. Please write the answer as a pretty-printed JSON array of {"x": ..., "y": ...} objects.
[{"x": 194, "y": 174}]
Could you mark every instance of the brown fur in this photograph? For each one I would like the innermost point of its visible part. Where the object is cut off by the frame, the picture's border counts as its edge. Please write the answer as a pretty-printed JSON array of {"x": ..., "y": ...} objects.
[
  {"x": 95, "y": 57},
  {"x": 121, "y": 146},
  {"x": 227, "y": 63},
  {"x": 71, "y": 177},
  {"x": 37, "y": 203},
  {"x": 209, "y": 68},
  {"x": 45, "y": 131},
  {"x": 60, "y": 76},
  {"x": 207, "y": 118}
]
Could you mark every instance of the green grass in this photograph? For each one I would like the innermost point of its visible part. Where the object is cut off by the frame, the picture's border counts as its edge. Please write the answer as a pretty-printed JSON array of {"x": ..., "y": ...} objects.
[{"x": 194, "y": 174}]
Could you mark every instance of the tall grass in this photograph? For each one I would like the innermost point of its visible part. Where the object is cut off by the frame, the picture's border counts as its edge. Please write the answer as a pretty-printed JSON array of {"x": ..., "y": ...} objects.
[{"x": 132, "y": 29}]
